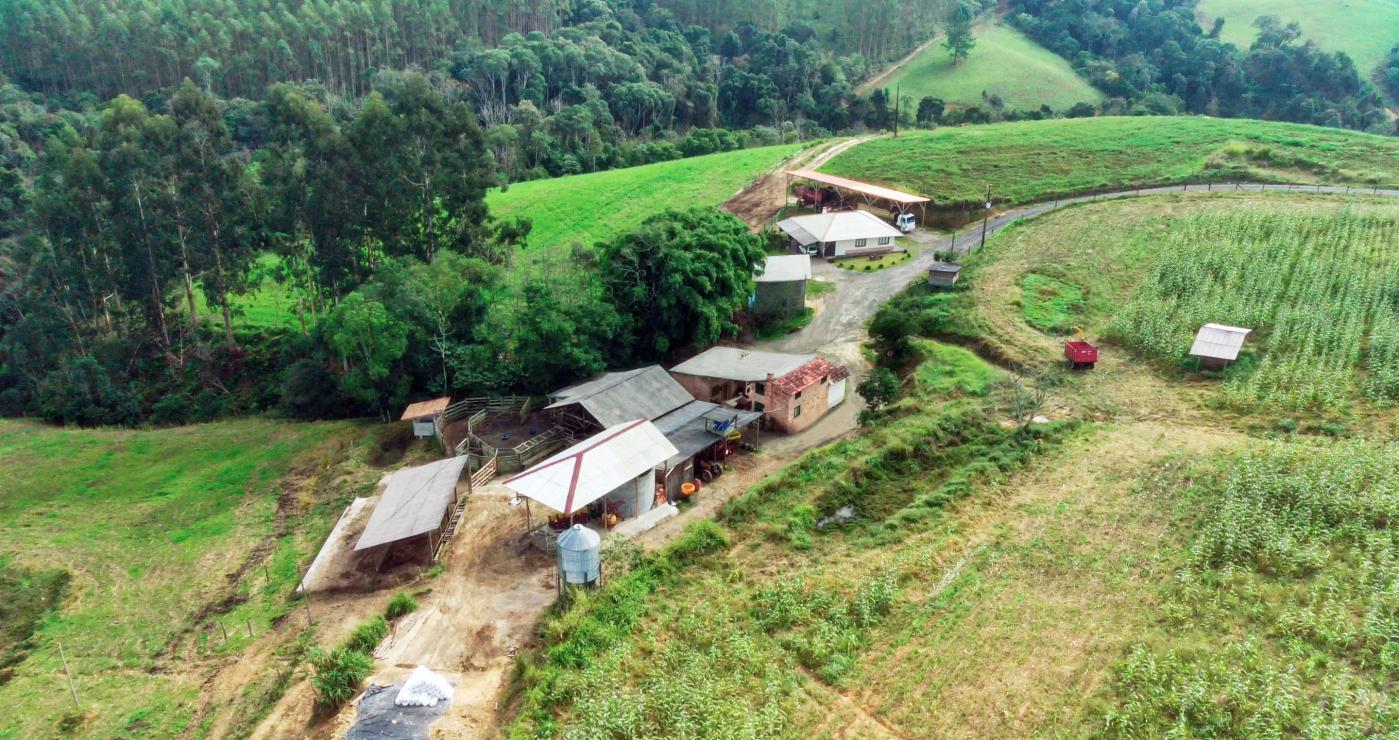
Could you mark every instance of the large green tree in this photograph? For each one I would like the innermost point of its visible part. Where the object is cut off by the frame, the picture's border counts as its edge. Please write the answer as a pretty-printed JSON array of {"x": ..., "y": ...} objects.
[
  {"x": 681, "y": 277},
  {"x": 960, "y": 41}
]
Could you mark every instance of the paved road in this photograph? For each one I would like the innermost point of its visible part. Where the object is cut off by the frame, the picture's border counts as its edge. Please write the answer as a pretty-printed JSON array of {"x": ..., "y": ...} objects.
[{"x": 838, "y": 329}]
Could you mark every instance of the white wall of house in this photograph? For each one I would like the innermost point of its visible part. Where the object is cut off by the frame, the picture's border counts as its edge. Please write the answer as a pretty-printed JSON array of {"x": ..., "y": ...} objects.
[
  {"x": 835, "y": 393},
  {"x": 838, "y": 249}
]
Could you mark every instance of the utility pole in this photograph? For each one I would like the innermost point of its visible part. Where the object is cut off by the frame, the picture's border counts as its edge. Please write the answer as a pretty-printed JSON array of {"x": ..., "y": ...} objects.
[
  {"x": 985, "y": 218},
  {"x": 69, "y": 675}
]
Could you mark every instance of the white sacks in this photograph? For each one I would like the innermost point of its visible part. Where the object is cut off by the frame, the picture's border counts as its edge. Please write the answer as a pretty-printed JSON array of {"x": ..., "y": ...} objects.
[{"x": 423, "y": 689}]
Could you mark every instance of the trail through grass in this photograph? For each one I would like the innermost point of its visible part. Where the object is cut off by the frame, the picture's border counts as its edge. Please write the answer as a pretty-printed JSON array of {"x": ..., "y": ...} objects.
[
  {"x": 1006, "y": 63},
  {"x": 1037, "y": 160}
]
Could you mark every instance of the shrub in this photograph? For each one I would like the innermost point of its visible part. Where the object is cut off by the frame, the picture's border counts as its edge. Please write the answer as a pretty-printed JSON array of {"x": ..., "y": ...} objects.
[
  {"x": 399, "y": 605},
  {"x": 336, "y": 675},
  {"x": 367, "y": 636},
  {"x": 309, "y": 391},
  {"x": 700, "y": 538},
  {"x": 81, "y": 391}
]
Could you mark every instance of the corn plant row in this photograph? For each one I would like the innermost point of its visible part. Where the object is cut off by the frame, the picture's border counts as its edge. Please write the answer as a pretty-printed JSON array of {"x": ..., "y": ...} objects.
[{"x": 1319, "y": 289}]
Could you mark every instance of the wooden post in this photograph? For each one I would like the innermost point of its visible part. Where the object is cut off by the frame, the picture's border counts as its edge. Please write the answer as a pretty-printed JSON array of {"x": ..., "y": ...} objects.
[
  {"x": 986, "y": 217},
  {"x": 69, "y": 674},
  {"x": 224, "y": 627},
  {"x": 249, "y": 624}
]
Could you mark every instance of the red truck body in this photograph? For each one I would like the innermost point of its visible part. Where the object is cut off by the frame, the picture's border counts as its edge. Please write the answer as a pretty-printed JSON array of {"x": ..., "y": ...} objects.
[{"x": 1080, "y": 354}]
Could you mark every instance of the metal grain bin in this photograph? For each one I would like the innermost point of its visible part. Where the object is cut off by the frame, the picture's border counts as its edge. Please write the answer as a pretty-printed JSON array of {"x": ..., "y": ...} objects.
[{"x": 580, "y": 555}]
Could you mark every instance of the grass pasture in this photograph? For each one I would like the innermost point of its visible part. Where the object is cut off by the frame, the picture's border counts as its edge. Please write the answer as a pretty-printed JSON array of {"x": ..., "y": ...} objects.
[
  {"x": 585, "y": 209},
  {"x": 1364, "y": 29},
  {"x": 1029, "y": 161},
  {"x": 1005, "y": 62},
  {"x": 148, "y": 525}
]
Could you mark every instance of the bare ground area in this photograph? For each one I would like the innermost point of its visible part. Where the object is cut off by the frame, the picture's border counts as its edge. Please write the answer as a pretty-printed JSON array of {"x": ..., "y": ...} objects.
[{"x": 756, "y": 204}]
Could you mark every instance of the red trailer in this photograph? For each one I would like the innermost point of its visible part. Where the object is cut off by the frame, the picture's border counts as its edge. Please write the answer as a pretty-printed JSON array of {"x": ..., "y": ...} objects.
[{"x": 1080, "y": 355}]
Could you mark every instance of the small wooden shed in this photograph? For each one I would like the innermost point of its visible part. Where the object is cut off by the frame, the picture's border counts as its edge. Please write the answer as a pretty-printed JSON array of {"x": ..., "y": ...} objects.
[
  {"x": 423, "y": 414},
  {"x": 944, "y": 274}
]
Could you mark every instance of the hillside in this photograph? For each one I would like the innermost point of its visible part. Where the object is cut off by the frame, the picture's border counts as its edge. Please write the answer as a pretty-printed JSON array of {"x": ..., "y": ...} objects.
[
  {"x": 1364, "y": 29},
  {"x": 1034, "y": 160},
  {"x": 1145, "y": 561},
  {"x": 174, "y": 544},
  {"x": 1006, "y": 63},
  {"x": 584, "y": 209}
]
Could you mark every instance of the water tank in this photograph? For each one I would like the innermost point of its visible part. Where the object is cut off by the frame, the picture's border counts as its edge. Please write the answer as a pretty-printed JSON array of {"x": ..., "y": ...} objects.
[{"x": 580, "y": 555}]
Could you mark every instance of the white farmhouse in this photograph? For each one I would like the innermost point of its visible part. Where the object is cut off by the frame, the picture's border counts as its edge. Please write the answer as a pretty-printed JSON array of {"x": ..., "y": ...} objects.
[{"x": 841, "y": 233}]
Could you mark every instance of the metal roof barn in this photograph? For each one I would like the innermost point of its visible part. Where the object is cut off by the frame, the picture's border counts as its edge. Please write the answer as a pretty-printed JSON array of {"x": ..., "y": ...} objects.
[
  {"x": 643, "y": 393},
  {"x": 786, "y": 268},
  {"x": 414, "y": 502},
  {"x": 1219, "y": 342},
  {"x": 732, "y": 363},
  {"x": 869, "y": 190},
  {"x": 837, "y": 226},
  {"x": 595, "y": 467}
]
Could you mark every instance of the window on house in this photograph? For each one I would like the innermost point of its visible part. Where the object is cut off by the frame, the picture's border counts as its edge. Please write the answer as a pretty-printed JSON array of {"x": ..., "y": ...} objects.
[
  {"x": 883, "y": 240},
  {"x": 760, "y": 389},
  {"x": 861, "y": 242},
  {"x": 798, "y": 395},
  {"x": 825, "y": 378},
  {"x": 796, "y": 411},
  {"x": 759, "y": 406}
]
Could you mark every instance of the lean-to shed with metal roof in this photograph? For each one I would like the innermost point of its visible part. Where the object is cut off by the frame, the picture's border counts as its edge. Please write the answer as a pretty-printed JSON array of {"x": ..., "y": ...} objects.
[
  {"x": 618, "y": 463},
  {"x": 417, "y": 503}
]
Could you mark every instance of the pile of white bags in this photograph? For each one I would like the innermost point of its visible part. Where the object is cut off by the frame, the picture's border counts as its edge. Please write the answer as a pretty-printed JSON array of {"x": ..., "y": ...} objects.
[{"x": 423, "y": 689}]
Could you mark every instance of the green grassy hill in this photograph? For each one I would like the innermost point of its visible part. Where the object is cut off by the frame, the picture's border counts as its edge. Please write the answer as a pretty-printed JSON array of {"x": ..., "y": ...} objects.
[
  {"x": 1364, "y": 29},
  {"x": 147, "y": 526},
  {"x": 584, "y": 209},
  {"x": 1005, "y": 62},
  {"x": 1034, "y": 160}
]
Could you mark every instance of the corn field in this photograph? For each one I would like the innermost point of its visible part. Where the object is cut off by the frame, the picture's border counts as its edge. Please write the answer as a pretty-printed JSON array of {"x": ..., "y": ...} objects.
[
  {"x": 1283, "y": 620},
  {"x": 1320, "y": 291}
]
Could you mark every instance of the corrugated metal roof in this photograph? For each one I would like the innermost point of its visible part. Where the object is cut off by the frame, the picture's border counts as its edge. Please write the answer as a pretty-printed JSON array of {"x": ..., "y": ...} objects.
[
  {"x": 414, "y": 502},
  {"x": 425, "y": 409},
  {"x": 837, "y": 226},
  {"x": 794, "y": 230},
  {"x": 878, "y": 191},
  {"x": 732, "y": 363},
  {"x": 643, "y": 393},
  {"x": 691, "y": 427},
  {"x": 591, "y": 469},
  {"x": 785, "y": 269},
  {"x": 1219, "y": 342}
]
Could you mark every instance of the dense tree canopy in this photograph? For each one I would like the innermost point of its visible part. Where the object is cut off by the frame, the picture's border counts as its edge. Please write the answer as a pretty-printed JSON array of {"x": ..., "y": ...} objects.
[{"x": 680, "y": 278}]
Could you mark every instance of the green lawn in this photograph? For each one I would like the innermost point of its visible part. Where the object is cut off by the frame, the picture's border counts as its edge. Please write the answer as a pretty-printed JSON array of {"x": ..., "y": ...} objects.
[
  {"x": 1364, "y": 29},
  {"x": 584, "y": 209},
  {"x": 1005, "y": 62},
  {"x": 1036, "y": 160},
  {"x": 148, "y": 525}
]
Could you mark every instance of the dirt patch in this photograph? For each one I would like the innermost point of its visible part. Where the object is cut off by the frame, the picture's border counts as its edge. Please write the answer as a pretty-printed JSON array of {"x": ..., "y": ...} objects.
[
  {"x": 471, "y": 621},
  {"x": 756, "y": 204}
]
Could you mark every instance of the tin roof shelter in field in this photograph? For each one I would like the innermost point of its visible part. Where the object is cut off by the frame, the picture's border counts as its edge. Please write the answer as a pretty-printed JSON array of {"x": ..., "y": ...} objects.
[
  {"x": 780, "y": 288},
  {"x": 854, "y": 191},
  {"x": 792, "y": 391},
  {"x": 1216, "y": 345},
  {"x": 840, "y": 233},
  {"x": 416, "y": 507}
]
